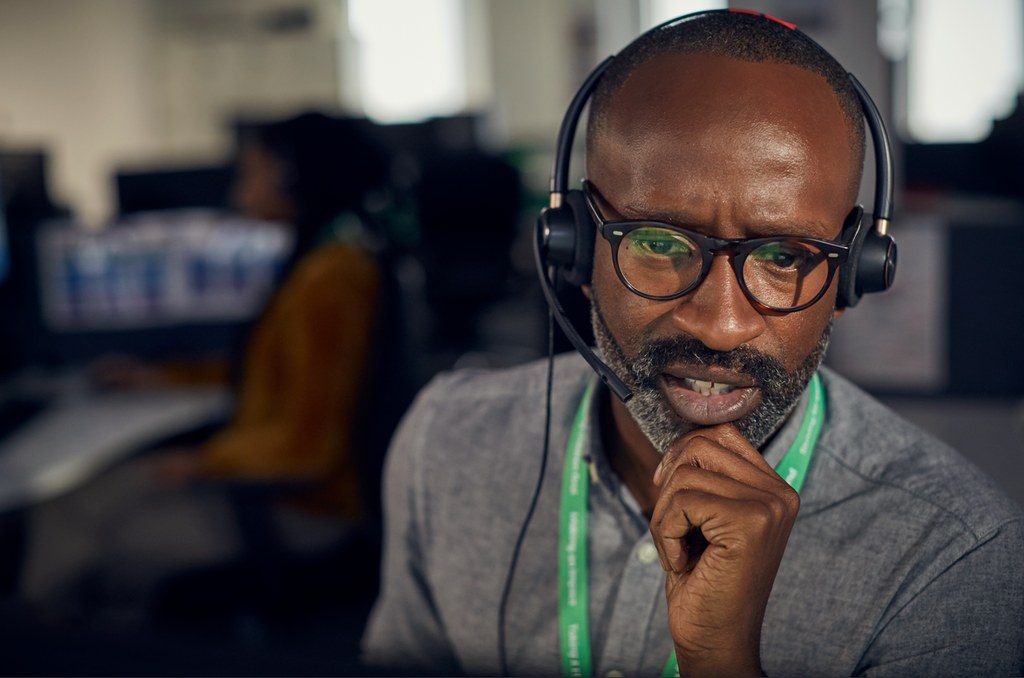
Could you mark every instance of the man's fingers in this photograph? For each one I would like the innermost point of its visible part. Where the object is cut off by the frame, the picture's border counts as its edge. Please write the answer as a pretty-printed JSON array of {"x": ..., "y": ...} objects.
[
  {"x": 678, "y": 532},
  {"x": 726, "y": 511},
  {"x": 717, "y": 450}
]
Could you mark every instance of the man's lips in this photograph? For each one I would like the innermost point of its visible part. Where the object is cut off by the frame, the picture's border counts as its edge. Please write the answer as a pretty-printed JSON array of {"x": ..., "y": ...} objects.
[{"x": 707, "y": 398}]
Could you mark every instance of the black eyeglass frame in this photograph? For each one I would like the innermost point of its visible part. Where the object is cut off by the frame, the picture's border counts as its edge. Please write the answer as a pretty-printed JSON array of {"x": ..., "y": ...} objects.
[{"x": 737, "y": 249}]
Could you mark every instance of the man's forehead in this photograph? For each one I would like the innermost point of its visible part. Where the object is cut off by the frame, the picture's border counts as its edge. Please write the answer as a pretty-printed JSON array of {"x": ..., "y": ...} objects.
[
  {"x": 669, "y": 84},
  {"x": 695, "y": 106},
  {"x": 752, "y": 143}
]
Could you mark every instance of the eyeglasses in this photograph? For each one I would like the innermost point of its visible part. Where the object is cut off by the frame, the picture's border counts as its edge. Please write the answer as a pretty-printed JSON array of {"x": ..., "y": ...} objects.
[{"x": 660, "y": 261}]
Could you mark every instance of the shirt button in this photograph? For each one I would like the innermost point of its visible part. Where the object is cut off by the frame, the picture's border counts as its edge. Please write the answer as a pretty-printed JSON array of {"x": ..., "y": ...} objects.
[
  {"x": 646, "y": 553},
  {"x": 615, "y": 673}
]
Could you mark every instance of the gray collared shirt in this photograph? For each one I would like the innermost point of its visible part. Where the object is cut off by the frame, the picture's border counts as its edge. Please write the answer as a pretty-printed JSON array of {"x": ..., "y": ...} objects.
[{"x": 904, "y": 559}]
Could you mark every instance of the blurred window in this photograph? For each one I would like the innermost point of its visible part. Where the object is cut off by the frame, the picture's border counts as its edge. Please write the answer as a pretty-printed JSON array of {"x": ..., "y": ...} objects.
[
  {"x": 655, "y": 12},
  {"x": 964, "y": 64},
  {"x": 411, "y": 57}
]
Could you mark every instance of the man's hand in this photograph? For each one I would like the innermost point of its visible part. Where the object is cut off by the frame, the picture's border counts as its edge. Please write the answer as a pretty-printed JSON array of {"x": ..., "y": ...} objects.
[{"x": 721, "y": 525}]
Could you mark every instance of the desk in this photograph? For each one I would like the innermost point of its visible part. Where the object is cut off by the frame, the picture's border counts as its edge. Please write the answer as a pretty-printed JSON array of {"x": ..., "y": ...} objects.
[{"x": 84, "y": 431}]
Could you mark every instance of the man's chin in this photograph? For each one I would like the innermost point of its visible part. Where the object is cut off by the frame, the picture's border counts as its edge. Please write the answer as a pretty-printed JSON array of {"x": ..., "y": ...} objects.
[{"x": 652, "y": 414}]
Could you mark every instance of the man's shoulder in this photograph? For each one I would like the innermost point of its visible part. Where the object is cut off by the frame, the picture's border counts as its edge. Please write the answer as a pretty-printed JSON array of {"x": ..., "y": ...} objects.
[
  {"x": 523, "y": 383},
  {"x": 471, "y": 419},
  {"x": 875, "y": 447},
  {"x": 469, "y": 453},
  {"x": 906, "y": 537}
]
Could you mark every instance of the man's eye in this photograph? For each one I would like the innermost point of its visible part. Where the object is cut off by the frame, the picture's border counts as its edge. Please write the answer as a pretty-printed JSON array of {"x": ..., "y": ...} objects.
[
  {"x": 660, "y": 243},
  {"x": 785, "y": 255}
]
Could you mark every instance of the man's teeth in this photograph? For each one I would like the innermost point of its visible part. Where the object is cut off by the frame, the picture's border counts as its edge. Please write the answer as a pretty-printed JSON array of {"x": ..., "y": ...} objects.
[{"x": 708, "y": 388}]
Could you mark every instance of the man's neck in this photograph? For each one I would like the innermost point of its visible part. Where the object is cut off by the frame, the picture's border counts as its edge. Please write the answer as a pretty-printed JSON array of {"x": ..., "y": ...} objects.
[{"x": 629, "y": 452}]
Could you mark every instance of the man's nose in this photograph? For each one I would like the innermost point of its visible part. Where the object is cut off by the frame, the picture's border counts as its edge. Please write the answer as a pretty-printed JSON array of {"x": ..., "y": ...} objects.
[{"x": 718, "y": 313}]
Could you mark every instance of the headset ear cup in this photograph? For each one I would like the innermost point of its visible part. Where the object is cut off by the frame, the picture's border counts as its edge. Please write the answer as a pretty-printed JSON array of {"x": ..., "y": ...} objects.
[
  {"x": 877, "y": 266},
  {"x": 871, "y": 265},
  {"x": 568, "y": 237},
  {"x": 579, "y": 272},
  {"x": 557, "y": 235},
  {"x": 853, "y": 236}
]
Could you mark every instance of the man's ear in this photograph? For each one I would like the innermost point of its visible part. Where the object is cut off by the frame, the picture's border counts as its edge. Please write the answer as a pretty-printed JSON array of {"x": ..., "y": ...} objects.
[
  {"x": 838, "y": 312},
  {"x": 587, "y": 292}
]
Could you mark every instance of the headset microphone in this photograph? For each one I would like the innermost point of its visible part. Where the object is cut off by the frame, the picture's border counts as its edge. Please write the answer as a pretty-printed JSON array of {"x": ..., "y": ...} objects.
[
  {"x": 547, "y": 274},
  {"x": 557, "y": 247}
]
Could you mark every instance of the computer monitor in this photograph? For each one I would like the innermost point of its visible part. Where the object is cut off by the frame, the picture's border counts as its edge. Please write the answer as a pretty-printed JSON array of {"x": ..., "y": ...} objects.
[
  {"x": 171, "y": 282},
  {"x": 24, "y": 202},
  {"x": 26, "y": 193},
  {"x": 172, "y": 188}
]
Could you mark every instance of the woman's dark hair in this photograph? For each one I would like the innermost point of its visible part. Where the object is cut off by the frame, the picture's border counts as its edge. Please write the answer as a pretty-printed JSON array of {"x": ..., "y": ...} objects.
[{"x": 329, "y": 164}]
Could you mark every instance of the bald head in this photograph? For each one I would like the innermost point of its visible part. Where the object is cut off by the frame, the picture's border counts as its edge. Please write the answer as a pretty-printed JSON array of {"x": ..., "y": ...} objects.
[
  {"x": 739, "y": 37},
  {"x": 764, "y": 132}
]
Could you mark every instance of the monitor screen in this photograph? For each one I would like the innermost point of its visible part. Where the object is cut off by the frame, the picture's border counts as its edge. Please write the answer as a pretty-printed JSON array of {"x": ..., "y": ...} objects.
[{"x": 157, "y": 269}]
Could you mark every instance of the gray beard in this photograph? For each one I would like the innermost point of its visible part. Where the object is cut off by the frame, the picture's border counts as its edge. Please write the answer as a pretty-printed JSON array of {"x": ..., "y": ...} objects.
[{"x": 780, "y": 390}]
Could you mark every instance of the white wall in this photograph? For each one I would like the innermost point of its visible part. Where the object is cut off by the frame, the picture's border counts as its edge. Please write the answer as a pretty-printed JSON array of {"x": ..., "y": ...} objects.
[
  {"x": 74, "y": 76},
  {"x": 110, "y": 83},
  {"x": 532, "y": 66},
  {"x": 217, "y": 59}
]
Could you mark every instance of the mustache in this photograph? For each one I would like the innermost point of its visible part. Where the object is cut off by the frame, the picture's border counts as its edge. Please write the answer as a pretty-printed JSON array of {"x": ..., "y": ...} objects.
[{"x": 659, "y": 354}]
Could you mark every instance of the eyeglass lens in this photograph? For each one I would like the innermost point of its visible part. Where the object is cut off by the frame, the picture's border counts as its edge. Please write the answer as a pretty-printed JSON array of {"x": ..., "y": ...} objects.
[{"x": 781, "y": 274}]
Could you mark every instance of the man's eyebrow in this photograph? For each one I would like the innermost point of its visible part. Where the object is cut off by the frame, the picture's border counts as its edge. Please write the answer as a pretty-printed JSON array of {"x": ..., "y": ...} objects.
[
  {"x": 760, "y": 228},
  {"x": 631, "y": 213}
]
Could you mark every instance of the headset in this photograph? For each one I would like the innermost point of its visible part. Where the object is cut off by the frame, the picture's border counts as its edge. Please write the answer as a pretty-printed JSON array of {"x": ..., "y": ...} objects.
[{"x": 565, "y": 234}]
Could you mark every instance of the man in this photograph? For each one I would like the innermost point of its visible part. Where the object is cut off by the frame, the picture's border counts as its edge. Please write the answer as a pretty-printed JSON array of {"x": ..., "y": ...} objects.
[{"x": 695, "y": 555}]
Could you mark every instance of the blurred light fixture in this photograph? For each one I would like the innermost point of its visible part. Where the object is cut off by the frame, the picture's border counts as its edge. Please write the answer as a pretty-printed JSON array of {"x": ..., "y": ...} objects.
[
  {"x": 965, "y": 67},
  {"x": 655, "y": 12}
]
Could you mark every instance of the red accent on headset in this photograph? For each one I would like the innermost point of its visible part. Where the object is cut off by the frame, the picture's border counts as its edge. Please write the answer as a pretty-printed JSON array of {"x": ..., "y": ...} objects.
[{"x": 787, "y": 24}]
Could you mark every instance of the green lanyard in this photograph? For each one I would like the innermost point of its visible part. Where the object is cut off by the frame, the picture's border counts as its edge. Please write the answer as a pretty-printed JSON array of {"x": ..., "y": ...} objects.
[{"x": 572, "y": 552}]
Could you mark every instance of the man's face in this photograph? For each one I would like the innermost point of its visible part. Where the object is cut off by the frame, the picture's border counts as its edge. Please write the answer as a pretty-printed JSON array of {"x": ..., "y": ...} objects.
[{"x": 735, "y": 150}]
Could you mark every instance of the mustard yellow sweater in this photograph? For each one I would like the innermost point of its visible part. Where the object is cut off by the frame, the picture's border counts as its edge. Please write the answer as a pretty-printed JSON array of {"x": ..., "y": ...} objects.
[{"x": 301, "y": 376}]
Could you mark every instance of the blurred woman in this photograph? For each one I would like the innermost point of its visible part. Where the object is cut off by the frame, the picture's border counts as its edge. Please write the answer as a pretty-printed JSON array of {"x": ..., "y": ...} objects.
[
  {"x": 285, "y": 476},
  {"x": 304, "y": 361}
]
